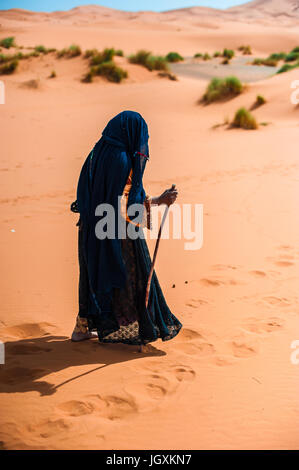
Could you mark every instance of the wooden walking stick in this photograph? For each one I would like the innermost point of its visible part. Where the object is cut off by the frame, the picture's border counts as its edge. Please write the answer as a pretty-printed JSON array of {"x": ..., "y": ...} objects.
[{"x": 148, "y": 287}]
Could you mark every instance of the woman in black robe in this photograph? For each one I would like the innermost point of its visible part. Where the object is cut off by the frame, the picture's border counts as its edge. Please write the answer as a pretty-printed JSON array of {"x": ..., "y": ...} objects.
[{"x": 114, "y": 268}]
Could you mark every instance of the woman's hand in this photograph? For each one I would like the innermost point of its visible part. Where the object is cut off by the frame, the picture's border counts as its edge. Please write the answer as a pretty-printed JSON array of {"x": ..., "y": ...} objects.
[{"x": 169, "y": 196}]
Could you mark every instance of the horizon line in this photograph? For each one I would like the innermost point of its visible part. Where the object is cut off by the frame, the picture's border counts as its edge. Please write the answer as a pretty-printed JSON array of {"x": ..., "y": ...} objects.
[{"x": 129, "y": 11}]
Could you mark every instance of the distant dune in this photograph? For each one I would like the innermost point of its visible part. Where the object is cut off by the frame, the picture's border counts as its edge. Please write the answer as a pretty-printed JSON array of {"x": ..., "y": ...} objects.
[{"x": 256, "y": 10}]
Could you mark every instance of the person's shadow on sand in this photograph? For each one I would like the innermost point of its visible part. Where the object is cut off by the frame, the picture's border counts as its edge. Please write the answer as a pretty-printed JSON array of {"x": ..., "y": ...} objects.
[{"x": 28, "y": 360}]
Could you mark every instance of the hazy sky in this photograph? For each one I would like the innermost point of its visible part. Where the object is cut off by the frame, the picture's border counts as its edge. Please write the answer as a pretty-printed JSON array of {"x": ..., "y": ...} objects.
[{"x": 129, "y": 5}]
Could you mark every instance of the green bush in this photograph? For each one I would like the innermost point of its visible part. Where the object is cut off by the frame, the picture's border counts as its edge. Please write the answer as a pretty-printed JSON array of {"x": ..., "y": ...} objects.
[
  {"x": 157, "y": 63},
  {"x": 140, "y": 58},
  {"x": 9, "y": 67},
  {"x": 228, "y": 53},
  {"x": 88, "y": 77},
  {"x": 206, "y": 56},
  {"x": 41, "y": 49},
  {"x": 119, "y": 52},
  {"x": 197, "y": 55},
  {"x": 268, "y": 62},
  {"x": 277, "y": 56},
  {"x": 260, "y": 100},
  {"x": 146, "y": 59},
  {"x": 168, "y": 75},
  {"x": 244, "y": 120},
  {"x": 72, "y": 51},
  {"x": 296, "y": 49},
  {"x": 110, "y": 71},
  {"x": 174, "y": 57},
  {"x": 222, "y": 88},
  {"x": 90, "y": 52},
  {"x": 97, "y": 58},
  {"x": 217, "y": 54},
  {"x": 246, "y": 50},
  {"x": 7, "y": 42},
  {"x": 292, "y": 56},
  {"x": 287, "y": 67}
]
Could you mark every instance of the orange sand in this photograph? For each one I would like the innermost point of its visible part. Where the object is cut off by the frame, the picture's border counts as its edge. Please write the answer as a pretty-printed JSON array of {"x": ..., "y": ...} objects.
[{"x": 226, "y": 381}]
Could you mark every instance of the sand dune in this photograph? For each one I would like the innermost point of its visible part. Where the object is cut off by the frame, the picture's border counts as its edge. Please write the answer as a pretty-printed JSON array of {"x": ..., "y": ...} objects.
[{"x": 226, "y": 381}]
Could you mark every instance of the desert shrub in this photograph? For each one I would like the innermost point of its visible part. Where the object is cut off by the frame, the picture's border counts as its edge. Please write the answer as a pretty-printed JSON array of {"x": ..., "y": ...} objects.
[
  {"x": 149, "y": 61},
  {"x": 72, "y": 51},
  {"x": 53, "y": 74},
  {"x": 119, "y": 52},
  {"x": 292, "y": 56},
  {"x": 170, "y": 76},
  {"x": 225, "y": 61},
  {"x": 8, "y": 67},
  {"x": 244, "y": 120},
  {"x": 88, "y": 77},
  {"x": 140, "y": 57},
  {"x": 228, "y": 53},
  {"x": 197, "y": 55},
  {"x": 7, "y": 42},
  {"x": 296, "y": 49},
  {"x": 157, "y": 63},
  {"x": 97, "y": 58},
  {"x": 206, "y": 56},
  {"x": 260, "y": 100},
  {"x": 277, "y": 56},
  {"x": 5, "y": 58},
  {"x": 174, "y": 57},
  {"x": 268, "y": 62},
  {"x": 217, "y": 54},
  {"x": 287, "y": 67},
  {"x": 33, "y": 54},
  {"x": 222, "y": 88},
  {"x": 41, "y": 49},
  {"x": 110, "y": 71},
  {"x": 246, "y": 50},
  {"x": 90, "y": 52}
]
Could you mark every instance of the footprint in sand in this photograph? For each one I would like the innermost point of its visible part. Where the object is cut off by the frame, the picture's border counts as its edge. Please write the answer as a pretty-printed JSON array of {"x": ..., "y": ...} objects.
[
  {"x": 255, "y": 325},
  {"x": 224, "y": 267},
  {"x": 111, "y": 407},
  {"x": 284, "y": 260},
  {"x": 184, "y": 373},
  {"x": 195, "y": 303},
  {"x": 153, "y": 386},
  {"x": 189, "y": 334},
  {"x": 280, "y": 301},
  {"x": 258, "y": 273},
  {"x": 76, "y": 408},
  {"x": 243, "y": 348},
  {"x": 192, "y": 342},
  {"x": 223, "y": 361},
  {"x": 198, "y": 349},
  {"x": 216, "y": 282},
  {"x": 50, "y": 427},
  {"x": 284, "y": 263}
]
